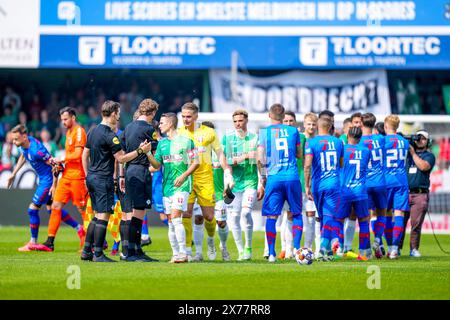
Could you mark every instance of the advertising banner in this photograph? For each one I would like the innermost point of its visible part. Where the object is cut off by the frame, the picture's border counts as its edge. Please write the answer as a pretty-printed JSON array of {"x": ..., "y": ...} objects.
[
  {"x": 203, "y": 52},
  {"x": 302, "y": 92},
  {"x": 283, "y": 34},
  {"x": 244, "y": 13},
  {"x": 280, "y": 34},
  {"x": 19, "y": 33}
]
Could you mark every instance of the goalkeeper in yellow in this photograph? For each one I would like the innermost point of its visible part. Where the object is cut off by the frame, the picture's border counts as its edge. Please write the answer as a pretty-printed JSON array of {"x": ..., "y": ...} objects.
[{"x": 205, "y": 140}]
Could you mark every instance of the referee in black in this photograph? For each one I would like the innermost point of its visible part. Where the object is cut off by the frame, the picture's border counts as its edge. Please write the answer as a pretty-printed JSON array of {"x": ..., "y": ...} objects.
[
  {"x": 138, "y": 181},
  {"x": 102, "y": 149}
]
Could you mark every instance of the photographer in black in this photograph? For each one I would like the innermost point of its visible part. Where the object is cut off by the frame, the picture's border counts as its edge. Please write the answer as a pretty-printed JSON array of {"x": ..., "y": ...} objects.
[{"x": 420, "y": 163}]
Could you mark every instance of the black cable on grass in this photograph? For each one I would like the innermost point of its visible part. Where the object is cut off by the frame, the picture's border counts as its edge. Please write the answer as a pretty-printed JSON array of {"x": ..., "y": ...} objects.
[{"x": 435, "y": 237}]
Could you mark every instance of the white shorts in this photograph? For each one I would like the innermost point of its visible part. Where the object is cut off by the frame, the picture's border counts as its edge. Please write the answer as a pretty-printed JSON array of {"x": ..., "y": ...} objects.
[
  {"x": 178, "y": 201},
  {"x": 244, "y": 199},
  {"x": 219, "y": 211}
]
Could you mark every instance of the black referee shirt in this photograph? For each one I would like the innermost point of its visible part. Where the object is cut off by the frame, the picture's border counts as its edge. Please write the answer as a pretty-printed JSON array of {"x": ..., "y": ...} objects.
[
  {"x": 134, "y": 134},
  {"x": 103, "y": 144}
]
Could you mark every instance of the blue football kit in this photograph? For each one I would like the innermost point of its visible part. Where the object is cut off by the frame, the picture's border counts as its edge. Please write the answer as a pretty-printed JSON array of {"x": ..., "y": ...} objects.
[
  {"x": 395, "y": 172},
  {"x": 397, "y": 187},
  {"x": 376, "y": 184},
  {"x": 37, "y": 155},
  {"x": 353, "y": 194},
  {"x": 283, "y": 184},
  {"x": 280, "y": 143},
  {"x": 326, "y": 152},
  {"x": 353, "y": 190}
]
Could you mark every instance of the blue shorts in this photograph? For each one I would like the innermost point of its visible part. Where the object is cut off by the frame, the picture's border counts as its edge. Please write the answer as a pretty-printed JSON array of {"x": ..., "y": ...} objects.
[
  {"x": 377, "y": 198},
  {"x": 157, "y": 192},
  {"x": 277, "y": 192},
  {"x": 398, "y": 198},
  {"x": 158, "y": 204},
  {"x": 41, "y": 196},
  {"x": 361, "y": 208},
  {"x": 326, "y": 202}
]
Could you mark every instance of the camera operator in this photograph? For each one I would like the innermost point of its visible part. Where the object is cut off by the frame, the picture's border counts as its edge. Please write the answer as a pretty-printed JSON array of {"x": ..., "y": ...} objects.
[{"x": 420, "y": 163}]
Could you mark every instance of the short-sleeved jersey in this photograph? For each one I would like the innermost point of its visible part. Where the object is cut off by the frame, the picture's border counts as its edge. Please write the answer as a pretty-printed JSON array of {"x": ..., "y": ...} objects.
[
  {"x": 175, "y": 155},
  {"x": 37, "y": 155},
  {"x": 326, "y": 152},
  {"x": 375, "y": 175},
  {"x": 280, "y": 144},
  {"x": 133, "y": 135},
  {"x": 75, "y": 138},
  {"x": 218, "y": 177},
  {"x": 245, "y": 174},
  {"x": 354, "y": 172},
  {"x": 396, "y": 152},
  {"x": 206, "y": 141},
  {"x": 102, "y": 143}
]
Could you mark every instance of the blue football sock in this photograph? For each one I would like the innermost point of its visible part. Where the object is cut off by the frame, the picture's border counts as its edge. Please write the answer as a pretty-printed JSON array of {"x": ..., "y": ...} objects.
[
  {"x": 398, "y": 229},
  {"x": 165, "y": 221},
  {"x": 271, "y": 234},
  {"x": 388, "y": 230},
  {"x": 67, "y": 218},
  {"x": 327, "y": 233},
  {"x": 380, "y": 225},
  {"x": 364, "y": 235},
  {"x": 338, "y": 232},
  {"x": 297, "y": 230},
  {"x": 34, "y": 223},
  {"x": 145, "y": 226}
]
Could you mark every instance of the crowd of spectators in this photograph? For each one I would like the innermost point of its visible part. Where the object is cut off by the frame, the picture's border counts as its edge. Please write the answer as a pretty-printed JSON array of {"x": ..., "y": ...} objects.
[{"x": 40, "y": 111}]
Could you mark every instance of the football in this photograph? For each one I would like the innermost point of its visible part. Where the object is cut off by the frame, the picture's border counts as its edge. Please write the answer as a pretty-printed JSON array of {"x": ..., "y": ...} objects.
[{"x": 304, "y": 256}]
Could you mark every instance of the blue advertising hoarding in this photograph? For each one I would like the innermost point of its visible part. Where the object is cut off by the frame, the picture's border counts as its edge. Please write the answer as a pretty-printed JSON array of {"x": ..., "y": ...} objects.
[
  {"x": 322, "y": 34},
  {"x": 200, "y": 52},
  {"x": 181, "y": 13}
]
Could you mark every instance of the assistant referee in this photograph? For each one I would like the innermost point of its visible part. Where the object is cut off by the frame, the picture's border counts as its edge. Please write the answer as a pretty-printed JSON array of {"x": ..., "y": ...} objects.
[
  {"x": 101, "y": 150},
  {"x": 138, "y": 181}
]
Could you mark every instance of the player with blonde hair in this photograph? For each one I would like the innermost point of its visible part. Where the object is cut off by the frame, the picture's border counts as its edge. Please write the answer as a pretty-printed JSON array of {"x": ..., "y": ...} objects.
[
  {"x": 396, "y": 152},
  {"x": 206, "y": 141}
]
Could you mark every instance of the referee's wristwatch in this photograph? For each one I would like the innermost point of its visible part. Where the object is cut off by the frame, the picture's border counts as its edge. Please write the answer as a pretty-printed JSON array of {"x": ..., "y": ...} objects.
[{"x": 139, "y": 151}]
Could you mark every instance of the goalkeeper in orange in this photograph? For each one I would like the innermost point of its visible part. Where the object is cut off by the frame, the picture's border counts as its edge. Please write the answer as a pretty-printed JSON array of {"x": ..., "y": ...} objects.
[{"x": 72, "y": 184}]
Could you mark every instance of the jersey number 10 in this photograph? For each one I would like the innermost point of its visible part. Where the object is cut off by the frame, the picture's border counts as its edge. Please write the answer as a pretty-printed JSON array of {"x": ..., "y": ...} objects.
[{"x": 328, "y": 160}]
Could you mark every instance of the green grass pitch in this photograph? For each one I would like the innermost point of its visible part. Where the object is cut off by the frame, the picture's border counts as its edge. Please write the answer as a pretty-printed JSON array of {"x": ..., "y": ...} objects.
[{"x": 41, "y": 275}]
